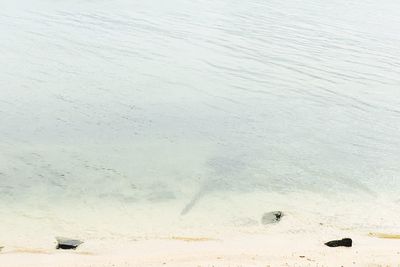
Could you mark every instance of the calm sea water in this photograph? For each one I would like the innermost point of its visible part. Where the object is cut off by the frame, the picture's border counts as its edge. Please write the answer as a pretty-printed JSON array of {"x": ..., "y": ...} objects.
[{"x": 160, "y": 104}]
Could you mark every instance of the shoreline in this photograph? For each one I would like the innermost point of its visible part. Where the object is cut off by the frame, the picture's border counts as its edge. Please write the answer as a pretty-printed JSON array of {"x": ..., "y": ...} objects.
[
  {"x": 229, "y": 234},
  {"x": 274, "y": 249}
]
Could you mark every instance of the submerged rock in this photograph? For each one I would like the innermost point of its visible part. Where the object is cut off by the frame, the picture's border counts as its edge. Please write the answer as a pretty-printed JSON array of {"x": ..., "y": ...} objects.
[
  {"x": 271, "y": 217},
  {"x": 345, "y": 242},
  {"x": 1, "y": 248},
  {"x": 67, "y": 243}
]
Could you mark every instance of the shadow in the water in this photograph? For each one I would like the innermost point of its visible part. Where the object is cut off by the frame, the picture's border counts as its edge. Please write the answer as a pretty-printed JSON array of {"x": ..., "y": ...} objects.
[{"x": 222, "y": 168}]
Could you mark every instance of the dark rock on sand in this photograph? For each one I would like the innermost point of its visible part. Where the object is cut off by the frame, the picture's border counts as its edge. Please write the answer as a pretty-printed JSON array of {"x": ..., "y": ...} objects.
[
  {"x": 271, "y": 217},
  {"x": 345, "y": 242},
  {"x": 67, "y": 243}
]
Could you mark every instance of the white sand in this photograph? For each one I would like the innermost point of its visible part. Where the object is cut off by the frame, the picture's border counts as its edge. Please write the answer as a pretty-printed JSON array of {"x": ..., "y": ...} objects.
[
  {"x": 215, "y": 233},
  {"x": 297, "y": 240},
  {"x": 291, "y": 249},
  {"x": 211, "y": 235}
]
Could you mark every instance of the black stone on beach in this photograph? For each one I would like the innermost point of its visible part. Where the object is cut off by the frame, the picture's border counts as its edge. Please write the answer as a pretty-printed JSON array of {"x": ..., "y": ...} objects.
[
  {"x": 66, "y": 243},
  {"x": 271, "y": 217},
  {"x": 345, "y": 242}
]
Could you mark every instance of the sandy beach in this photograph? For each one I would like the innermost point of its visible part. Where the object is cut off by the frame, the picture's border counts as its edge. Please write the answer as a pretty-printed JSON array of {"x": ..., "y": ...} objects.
[
  {"x": 291, "y": 249},
  {"x": 296, "y": 240}
]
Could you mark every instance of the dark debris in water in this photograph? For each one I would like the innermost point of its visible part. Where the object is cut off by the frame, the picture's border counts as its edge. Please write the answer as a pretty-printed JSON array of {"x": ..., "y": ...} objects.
[{"x": 271, "y": 217}]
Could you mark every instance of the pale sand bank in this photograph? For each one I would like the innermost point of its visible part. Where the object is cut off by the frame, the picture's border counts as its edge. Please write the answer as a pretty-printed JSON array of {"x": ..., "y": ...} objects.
[
  {"x": 209, "y": 237},
  {"x": 241, "y": 249}
]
